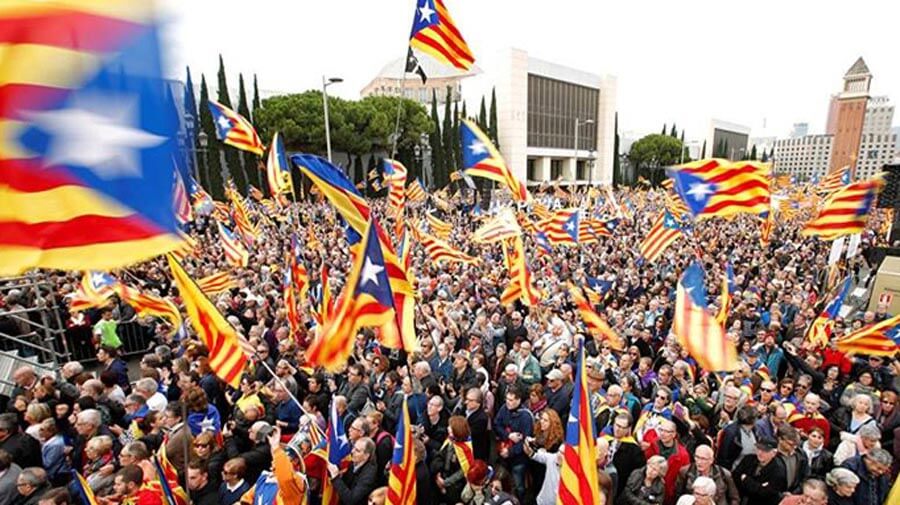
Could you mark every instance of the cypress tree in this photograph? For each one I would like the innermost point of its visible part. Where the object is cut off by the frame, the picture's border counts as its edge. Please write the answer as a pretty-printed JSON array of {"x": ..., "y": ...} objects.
[
  {"x": 437, "y": 158},
  {"x": 482, "y": 116},
  {"x": 256, "y": 103},
  {"x": 617, "y": 177},
  {"x": 703, "y": 150},
  {"x": 674, "y": 132},
  {"x": 358, "y": 174},
  {"x": 194, "y": 142},
  {"x": 663, "y": 132},
  {"x": 464, "y": 115},
  {"x": 232, "y": 159},
  {"x": 682, "y": 144},
  {"x": 492, "y": 120},
  {"x": 455, "y": 141},
  {"x": 248, "y": 159},
  {"x": 447, "y": 141},
  {"x": 209, "y": 157},
  {"x": 753, "y": 152}
]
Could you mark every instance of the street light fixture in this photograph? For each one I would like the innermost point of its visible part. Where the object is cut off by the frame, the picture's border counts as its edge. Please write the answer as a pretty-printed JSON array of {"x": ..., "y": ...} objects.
[
  {"x": 325, "y": 83},
  {"x": 578, "y": 123}
]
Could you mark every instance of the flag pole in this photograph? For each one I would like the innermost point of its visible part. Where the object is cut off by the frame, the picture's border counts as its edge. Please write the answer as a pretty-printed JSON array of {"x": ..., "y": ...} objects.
[{"x": 399, "y": 110}]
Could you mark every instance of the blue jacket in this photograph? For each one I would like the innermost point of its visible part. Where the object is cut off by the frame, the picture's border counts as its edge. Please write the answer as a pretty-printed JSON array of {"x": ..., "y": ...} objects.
[
  {"x": 519, "y": 421},
  {"x": 773, "y": 359},
  {"x": 53, "y": 454},
  {"x": 441, "y": 369},
  {"x": 289, "y": 412},
  {"x": 871, "y": 490}
]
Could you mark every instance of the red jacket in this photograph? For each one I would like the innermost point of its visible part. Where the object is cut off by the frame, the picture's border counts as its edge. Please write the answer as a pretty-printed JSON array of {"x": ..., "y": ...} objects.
[
  {"x": 676, "y": 461},
  {"x": 833, "y": 357}
]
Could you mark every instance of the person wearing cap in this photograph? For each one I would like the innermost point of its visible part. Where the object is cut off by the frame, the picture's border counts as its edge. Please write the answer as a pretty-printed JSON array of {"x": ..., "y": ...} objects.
[
  {"x": 559, "y": 393},
  {"x": 760, "y": 477},
  {"x": 463, "y": 375}
]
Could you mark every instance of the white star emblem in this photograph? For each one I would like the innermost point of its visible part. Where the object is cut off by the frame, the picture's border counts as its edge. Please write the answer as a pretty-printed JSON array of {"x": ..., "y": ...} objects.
[
  {"x": 700, "y": 190},
  {"x": 224, "y": 122},
  {"x": 570, "y": 226},
  {"x": 342, "y": 441},
  {"x": 370, "y": 272},
  {"x": 426, "y": 12},
  {"x": 97, "y": 133},
  {"x": 207, "y": 424},
  {"x": 478, "y": 147}
]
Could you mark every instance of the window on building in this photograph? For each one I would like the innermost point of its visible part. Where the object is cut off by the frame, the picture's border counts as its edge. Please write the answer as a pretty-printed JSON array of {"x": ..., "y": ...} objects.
[
  {"x": 555, "y": 169},
  {"x": 531, "y": 169}
]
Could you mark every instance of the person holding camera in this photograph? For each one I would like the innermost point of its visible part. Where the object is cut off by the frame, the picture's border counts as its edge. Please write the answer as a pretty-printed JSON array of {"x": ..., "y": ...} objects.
[{"x": 257, "y": 454}]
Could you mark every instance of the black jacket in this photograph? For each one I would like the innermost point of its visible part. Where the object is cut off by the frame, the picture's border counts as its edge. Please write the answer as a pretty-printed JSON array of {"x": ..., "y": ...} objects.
[
  {"x": 560, "y": 400},
  {"x": 764, "y": 487},
  {"x": 353, "y": 487},
  {"x": 481, "y": 435},
  {"x": 207, "y": 495},
  {"x": 258, "y": 458},
  {"x": 802, "y": 474},
  {"x": 24, "y": 449},
  {"x": 627, "y": 458},
  {"x": 384, "y": 452}
]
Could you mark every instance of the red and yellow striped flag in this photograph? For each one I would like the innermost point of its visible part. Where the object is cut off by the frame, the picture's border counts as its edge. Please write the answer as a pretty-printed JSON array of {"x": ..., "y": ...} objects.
[
  {"x": 696, "y": 329},
  {"x": 415, "y": 192},
  {"x": 520, "y": 286},
  {"x": 664, "y": 231},
  {"x": 722, "y": 188},
  {"x": 226, "y": 357},
  {"x": 395, "y": 177},
  {"x": 578, "y": 474},
  {"x": 880, "y": 339},
  {"x": 846, "y": 211},
  {"x": 147, "y": 305},
  {"x": 439, "y": 228},
  {"x": 594, "y": 323},
  {"x": 439, "y": 250},
  {"x": 499, "y": 228},
  {"x": 214, "y": 284},
  {"x": 234, "y": 129},
  {"x": 435, "y": 33},
  {"x": 402, "y": 476}
]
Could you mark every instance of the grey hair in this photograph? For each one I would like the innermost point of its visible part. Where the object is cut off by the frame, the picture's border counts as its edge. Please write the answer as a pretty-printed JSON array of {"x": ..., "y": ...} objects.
[
  {"x": 74, "y": 367},
  {"x": 870, "y": 431},
  {"x": 146, "y": 385},
  {"x": 863, "y": 397},
  {"x": 660, "y": 463},
  {"x": 705, "y": 484},
  {"x": 815, "y": 485},
  {"x": 880, "y": 455},
  {"x": 34, "y": 476},
  {"x": 90, "y": 416},
  {"x": 841, "y": 477}
]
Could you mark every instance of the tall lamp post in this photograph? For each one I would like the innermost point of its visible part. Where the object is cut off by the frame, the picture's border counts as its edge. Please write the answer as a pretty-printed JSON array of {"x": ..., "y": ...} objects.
[
  {"x": 578, "y": 123},
  {"x": 325, "y": 83}
]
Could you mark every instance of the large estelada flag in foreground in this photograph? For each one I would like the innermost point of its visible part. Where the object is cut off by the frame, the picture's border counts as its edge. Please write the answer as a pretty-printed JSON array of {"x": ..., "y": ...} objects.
[
  {"x": 879, "y": 339},
  {"x": 226, "y": 356},
  {"x": 578, "y": 473},
  {"x": 723, "y": 188},
  {"x": 234, "y": 129},
  {"x": 434, "y": 33},
  {"x": 846, "y": 210},
  {"x": 402, "y": 477},
  {"x": 696, "y": 329},
  {"x": 367, "y": 301},
  {"x": 87, "y": 137},
  {"x": 278, "y": 170},
  {"x": 482, "y": 159}
]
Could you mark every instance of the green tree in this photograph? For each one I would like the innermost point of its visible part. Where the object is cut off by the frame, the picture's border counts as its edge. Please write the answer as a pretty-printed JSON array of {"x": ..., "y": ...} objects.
[
  {"x": 256, "y": 103},
  {"x": 200, "y": 168},
  {"x": 663, "y": 132},
  {"x": 617, "y": 175},
  {"x": 209, "y": 156},
  {"x": 249, "y": 161},
  {"x": 232, "y": 158},
  {"x": 482, "y": 116},
  {"x": 753, "y": 152},
  {"x": 447, "y": 142},
  {"x": 358, "y": 174},
  {"x": 765, "y": 156},
  {"x": 684, "y": 147},
  {"x": 455, "y": 141},
  {"x": 436, "y": 141},
  {"x": 464, "y": 115},
  {"x": 703, "y": 150},
  {"x": 674, "y": 132},
  {"x": 492, "y": 120},
  {"x": 653, "y": 152}
]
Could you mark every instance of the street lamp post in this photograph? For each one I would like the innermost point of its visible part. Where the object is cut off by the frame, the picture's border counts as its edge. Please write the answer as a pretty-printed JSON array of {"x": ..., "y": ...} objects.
[
  {"x": 325, "y": 83},
  {"x": 579, "y": 122}
]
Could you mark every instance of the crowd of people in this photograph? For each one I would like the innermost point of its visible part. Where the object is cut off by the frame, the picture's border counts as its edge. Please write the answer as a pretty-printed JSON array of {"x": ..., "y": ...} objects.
[{"x": 793, "y": 425}]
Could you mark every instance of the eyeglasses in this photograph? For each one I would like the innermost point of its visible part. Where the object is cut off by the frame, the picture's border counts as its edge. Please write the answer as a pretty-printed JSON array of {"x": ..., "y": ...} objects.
[
  {"x": 888, "y": 402},
  {"x": 804, "y": 386},
  {"x": 767, "y": 390},
  {"x": 735, "y": 398},
  {"x": 199, "y": 445},
  {"x": 621, "y": 427}
]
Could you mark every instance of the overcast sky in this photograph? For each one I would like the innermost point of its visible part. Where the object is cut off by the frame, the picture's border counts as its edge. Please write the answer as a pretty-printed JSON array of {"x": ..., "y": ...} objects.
[{"x": 765, "y": 64}]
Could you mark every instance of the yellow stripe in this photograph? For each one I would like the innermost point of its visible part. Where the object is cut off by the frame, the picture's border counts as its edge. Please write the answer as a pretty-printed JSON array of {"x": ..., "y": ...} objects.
[
  {"x": 125, "y": 9},
  {"x": 17, "y": 259},
  {"x": 44, "y": 65},
  {"x": 57, "y": 204},
  {"x": 9, "y": 144}
]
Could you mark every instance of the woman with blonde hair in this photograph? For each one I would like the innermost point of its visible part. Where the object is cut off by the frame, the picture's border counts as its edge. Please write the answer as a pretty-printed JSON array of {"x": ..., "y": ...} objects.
[
  {"x": 378, "y": 496},
  {"x": 646, "y": 486},
  {"x": 841, "y": 486},
  {"x": 35, "y": 413}
]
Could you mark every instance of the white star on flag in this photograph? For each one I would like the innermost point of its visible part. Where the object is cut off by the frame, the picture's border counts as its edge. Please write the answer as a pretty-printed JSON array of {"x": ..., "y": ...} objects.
[
  {"x": 426, "y": 12},
  {"x": 97, "y": 133},
  {"x": 207, "y": 424},
  {"x": 700, "y": 190},
  {"x": 224, "y": 122},
  {"x": 478, "y": 147},
  {"x": 370, "y": 272}
]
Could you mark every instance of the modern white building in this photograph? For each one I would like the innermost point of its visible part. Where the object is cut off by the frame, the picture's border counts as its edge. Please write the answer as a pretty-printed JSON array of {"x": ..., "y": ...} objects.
[
  {"x": 541, "y": 106},
  {"x": 727, "y": 140},
  {"x": 806, "y": 157}
]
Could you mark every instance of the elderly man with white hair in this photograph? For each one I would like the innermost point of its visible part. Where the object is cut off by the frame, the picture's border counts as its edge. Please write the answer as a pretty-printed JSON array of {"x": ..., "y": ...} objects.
[
  {"x": 149, "y": 389},
  {"x": 703, "y": 493},
  {"x": 89, "y": 424},
  {"x": 704, "y": 466}
]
